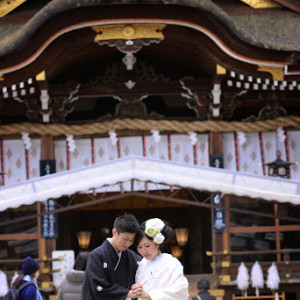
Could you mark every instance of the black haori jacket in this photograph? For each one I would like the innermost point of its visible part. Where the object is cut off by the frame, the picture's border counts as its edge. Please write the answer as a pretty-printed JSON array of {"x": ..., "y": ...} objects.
[{"x": 105, "y": 278}]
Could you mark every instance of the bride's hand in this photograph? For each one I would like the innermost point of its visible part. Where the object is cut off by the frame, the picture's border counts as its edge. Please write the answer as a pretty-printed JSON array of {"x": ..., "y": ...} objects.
[
  {"x": 135, "y": 286},
  {"x": 142, "y": 294}
]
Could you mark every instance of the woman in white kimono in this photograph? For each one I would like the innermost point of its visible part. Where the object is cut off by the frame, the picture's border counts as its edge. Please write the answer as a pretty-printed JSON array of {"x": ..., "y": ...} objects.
[{"x": 159, "y": 275}]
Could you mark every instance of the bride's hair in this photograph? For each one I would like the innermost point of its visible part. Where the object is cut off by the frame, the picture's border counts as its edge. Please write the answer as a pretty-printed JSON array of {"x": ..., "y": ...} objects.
[{"x": 167, "y": 232}]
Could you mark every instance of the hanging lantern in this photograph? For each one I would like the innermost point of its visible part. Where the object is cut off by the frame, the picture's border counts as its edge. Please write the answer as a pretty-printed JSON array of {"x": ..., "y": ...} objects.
[
  {"x": 84, "y": 238},
  {"x": 279, "y": 167},
  {"x": 182, "y": 236},
  {"x": 176, "y": 251}
]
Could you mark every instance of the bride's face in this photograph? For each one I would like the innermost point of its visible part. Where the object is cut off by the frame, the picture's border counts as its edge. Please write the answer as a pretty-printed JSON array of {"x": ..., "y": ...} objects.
[{"x": 148, "y": 248}]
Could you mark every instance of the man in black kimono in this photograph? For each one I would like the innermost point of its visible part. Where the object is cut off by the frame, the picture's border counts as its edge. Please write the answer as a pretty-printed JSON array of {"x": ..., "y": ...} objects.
[{"x": 111, "y": 267}]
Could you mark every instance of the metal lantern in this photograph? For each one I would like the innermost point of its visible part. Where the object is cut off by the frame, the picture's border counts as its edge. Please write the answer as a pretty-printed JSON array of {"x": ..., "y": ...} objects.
[{"x": 279, "y": 167}]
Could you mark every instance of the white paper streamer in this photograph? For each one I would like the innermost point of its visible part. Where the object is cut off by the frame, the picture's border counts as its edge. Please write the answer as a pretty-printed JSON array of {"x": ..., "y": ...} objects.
[
  {"x": 257, "y": 277},
  {"x": 71, "y": 142},
  {"x": 3, "y": 284},
  {"x": 156, "y": 136},
  {"x": 280, "y": 134},
  {"x": 241, "y": 138},
  {"x": 243, "y": 278},
  {"x": 26, "y": 139},
  {"x": 273, "y": 278},
  {"x": 193, "y": 138},
  {"x": 113, "y": 137}
]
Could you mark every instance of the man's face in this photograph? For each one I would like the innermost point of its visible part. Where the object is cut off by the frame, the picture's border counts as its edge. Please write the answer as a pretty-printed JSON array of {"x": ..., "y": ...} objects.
[{"x": 122, "y": 241}]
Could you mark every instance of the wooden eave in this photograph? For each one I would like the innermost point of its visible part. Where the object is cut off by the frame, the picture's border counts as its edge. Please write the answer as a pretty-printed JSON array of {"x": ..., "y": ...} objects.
[{"x": 71, "y": 30}]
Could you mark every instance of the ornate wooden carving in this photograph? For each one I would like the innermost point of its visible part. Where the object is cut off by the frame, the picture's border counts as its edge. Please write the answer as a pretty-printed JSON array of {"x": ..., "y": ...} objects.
[
  {"x": 116, "y": 72},
  {"x": 32, "y": 111},
  {"x": 229, "y": 105},
  {"x": 272, "y": 110},
  {"x": 131, "y": 108},
  {"x": 63, "y": 105}
]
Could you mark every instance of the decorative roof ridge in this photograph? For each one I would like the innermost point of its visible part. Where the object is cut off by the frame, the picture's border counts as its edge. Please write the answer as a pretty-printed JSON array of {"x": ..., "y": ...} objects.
[{"x": 55, "y": 7}]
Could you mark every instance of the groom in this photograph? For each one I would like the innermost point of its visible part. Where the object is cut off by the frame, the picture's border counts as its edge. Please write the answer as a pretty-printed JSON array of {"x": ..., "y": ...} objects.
[{"x": 111, "y": 267}]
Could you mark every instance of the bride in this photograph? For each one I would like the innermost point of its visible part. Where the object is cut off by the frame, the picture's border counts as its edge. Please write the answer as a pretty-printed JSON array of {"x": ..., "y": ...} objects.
[{"x": 159, "y": 275}]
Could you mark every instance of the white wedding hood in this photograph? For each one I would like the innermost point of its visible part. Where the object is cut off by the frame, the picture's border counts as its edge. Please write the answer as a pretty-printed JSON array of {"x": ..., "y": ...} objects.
[{"x": 149, "y": 170}]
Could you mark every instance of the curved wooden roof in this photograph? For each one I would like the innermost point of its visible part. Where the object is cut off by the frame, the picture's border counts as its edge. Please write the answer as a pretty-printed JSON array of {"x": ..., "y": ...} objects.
[{"x": 56, "y": 51}]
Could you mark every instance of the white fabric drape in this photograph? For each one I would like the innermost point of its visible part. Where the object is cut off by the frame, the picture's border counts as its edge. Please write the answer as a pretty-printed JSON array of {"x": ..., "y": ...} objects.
[
  {"x": 82, "y": 155},
  {"x": 202, "y": 147},
  {"x": 104, "y": 151},
  {"x": 182, "y": 149},
  {"x": 229, "y": 151},
  {"x": 14, "y": 161},
  {"x": 100, "y": 150},
  {"x": 294, "y": 152},
  {"x": 132, "y": 146},
  {"x": 250, "y": 155},
  {"x": 34, "y": 155},
  {"x": 170, "y": 173},
  {"x": 60, "y": 152},
  {"x": 157, "y": 151}
]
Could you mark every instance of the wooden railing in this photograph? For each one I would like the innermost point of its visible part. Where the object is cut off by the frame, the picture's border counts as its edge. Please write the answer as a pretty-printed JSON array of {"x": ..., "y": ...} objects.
[
  {"x": 273, "y": 296},
  {"x": 223, "y": 266}
]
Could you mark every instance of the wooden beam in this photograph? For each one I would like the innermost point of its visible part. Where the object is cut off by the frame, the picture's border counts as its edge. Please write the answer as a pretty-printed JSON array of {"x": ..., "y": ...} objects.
[
  {"x": 264, "y": 228},
  {"x": 140, "y": 88},
  {"x": 19, "y": 236}
]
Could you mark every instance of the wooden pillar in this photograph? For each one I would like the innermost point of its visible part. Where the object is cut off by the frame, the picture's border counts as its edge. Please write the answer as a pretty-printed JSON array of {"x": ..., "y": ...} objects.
[
  {"x": 47, "y": 147},
  {"x": 47, "y": 152},
  {"x": 41, "y": 241},
  {"x": 226, "y": 235},
  {"x": 277, "y": 232},
  {"x": 216, "y": 147}
]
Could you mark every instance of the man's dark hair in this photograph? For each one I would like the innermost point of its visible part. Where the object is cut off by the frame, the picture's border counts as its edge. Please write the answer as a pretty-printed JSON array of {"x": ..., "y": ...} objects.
[
  {"x": 203, "y": 284},
  {"x": 126, "y": 223}
]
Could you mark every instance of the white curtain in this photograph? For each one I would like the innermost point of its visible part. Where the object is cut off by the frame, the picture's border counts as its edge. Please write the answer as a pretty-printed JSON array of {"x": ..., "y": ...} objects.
[
  {"x": 229, "y": 151},
  {"x": 250, "y": 155},
  {"x": 181, "y": 149},
  {"x": 202, "y": 152},
  {"x": 14, "y": 161},
  {"x": 160, "y": 151},
  {"x": 60, "y": 152},
  {"x": 82, "y": 155},
  {"x": 105, "y": 151},
  {"x": 249, "y": 158},
  {"x": 34, "y": 155},
  {"x": 131, "y": 146},
  {"x": 294, "y": 152}
]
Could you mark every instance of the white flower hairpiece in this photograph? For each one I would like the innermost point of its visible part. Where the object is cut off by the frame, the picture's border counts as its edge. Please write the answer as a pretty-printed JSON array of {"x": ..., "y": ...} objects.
[
  {"x": 153, "y": 228},
  {"x": 159, "y": 238}
]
